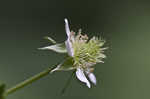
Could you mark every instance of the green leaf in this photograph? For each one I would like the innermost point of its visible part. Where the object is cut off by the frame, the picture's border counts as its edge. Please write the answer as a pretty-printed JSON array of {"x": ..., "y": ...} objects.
[
  {"x": 65, "y": 65},
  {"x": 59, "y": 48},
  {"x": 2, "y": 89}
]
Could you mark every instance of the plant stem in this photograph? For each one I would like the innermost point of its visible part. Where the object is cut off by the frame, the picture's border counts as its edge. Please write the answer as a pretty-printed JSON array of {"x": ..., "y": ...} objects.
[{"x": 28, "y": 81}]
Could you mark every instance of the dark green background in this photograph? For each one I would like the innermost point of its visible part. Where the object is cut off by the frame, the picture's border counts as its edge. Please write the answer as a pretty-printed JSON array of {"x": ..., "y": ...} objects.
[{"x": 124, "y": 24}]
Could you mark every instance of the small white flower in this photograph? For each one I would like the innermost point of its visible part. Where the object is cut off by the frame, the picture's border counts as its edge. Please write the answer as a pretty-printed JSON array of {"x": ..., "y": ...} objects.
[{"x": 83, "y": 54}]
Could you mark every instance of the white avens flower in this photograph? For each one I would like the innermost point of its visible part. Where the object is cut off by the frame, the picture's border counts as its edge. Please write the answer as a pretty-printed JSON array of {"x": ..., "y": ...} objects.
[{"x": 83, "y": 54}]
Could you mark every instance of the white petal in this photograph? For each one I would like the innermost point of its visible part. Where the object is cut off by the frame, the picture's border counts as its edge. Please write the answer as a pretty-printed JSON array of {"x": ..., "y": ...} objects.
[
  {"x": 67, "y": 28},
  {"x": 92, "y": 78},
  {"x": 80, "y": 75},
  {"x": 69, "y": 48},
  {"x": 68, "y": 42}
]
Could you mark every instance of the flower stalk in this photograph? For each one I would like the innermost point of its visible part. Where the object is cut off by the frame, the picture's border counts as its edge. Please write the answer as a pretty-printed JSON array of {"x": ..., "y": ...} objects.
[{"x": 28, "y": 81}]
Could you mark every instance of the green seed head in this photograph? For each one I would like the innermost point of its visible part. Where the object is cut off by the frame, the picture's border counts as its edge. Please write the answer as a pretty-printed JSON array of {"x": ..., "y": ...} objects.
[{"x": 87, "y": 52}]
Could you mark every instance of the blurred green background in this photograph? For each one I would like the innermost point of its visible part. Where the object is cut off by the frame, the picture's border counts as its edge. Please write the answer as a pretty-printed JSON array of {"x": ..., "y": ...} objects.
[{"x": 124, "y": 24}]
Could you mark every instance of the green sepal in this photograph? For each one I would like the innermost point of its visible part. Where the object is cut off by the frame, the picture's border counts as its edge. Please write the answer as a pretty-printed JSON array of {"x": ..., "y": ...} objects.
[
  {"x": 66, "y": 65},
  {"x": 50, "y": 39},
  {"x": 59, "y": 48},
  {"x": 2, "y": 90}
]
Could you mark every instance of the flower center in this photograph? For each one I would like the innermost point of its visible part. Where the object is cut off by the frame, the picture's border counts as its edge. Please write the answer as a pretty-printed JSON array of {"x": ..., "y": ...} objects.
[{"x": 87, "y": 52}]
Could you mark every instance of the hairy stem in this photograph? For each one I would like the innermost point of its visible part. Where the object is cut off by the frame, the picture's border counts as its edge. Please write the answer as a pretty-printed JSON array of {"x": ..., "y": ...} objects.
[{"x": 28, "y": 81}]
